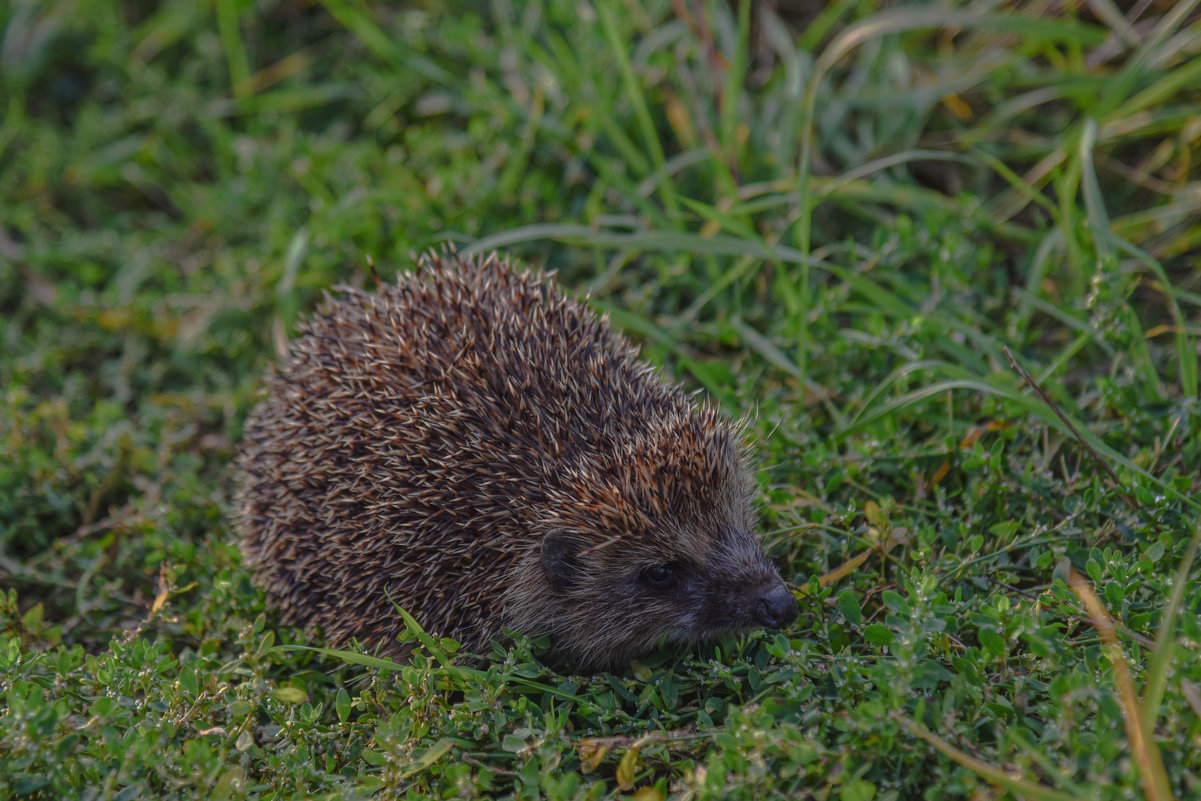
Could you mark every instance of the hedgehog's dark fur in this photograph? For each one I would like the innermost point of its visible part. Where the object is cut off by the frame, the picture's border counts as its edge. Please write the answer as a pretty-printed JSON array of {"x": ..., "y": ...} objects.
[{"x": 486, "y": 452}]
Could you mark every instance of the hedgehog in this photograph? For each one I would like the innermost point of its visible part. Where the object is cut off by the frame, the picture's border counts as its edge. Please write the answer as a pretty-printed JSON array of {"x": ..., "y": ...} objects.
[{"x": 473, "y": 445}]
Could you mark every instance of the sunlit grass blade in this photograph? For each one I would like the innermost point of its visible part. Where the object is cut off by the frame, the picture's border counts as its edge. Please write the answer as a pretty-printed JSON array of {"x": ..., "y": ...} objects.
[
  {"x": 350, "y": 657},
  {"x": 1142, "y": 736}
]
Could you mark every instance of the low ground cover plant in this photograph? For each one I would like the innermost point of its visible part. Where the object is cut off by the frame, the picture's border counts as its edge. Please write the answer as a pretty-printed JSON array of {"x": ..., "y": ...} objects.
[{"x": 943, "y": 257}]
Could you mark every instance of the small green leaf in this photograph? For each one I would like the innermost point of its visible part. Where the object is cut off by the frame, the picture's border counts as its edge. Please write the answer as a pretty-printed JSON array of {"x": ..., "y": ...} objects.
[
  {"x": 848, "y": 605},
  {"x": 369, "y": 784},
  {"x": 859, "y": 790},
  {"x": 230, "y": 783},
  {"x": 32, "y": 619},
  {"x": 994, "y": 643},
  {"x": 1156, "y": 551},
  {"x": 187, "y": 680},
  {"x": 342, "y": 704},
  {"x": 894, "y": 601},
  {"x": 290, "y": 695},
  {"x": 374, "y": 758},
  {"x": 878, "y": 634},
  {"x": 430, "y": 756}
]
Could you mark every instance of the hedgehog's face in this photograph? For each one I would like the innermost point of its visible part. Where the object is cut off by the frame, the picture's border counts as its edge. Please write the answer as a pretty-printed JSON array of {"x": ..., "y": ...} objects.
[
  {"x": 647, "y": 543},
  {"x": 616, "y": 603}
]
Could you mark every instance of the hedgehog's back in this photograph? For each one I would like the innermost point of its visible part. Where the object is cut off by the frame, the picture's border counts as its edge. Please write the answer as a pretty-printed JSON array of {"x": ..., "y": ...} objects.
[{"x": 411, "y": 443}]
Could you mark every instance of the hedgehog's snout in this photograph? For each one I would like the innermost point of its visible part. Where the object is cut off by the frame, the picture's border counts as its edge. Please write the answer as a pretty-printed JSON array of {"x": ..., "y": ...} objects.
[
  {"x": 741, "y": 590},
  {"x": 775, "y": 607}
]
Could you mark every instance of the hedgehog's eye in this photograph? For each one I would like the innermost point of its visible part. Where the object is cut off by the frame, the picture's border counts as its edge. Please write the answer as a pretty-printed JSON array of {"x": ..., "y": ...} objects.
[{"x": 661, "y": 577}]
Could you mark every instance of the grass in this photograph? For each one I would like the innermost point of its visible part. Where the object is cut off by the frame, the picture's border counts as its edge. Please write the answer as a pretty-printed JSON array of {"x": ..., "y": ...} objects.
[{"x": 842, "y": 225}]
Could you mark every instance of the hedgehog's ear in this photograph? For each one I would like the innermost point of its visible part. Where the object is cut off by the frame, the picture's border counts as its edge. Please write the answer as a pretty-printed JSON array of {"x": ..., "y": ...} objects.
[{"x": 561, "y": 559}]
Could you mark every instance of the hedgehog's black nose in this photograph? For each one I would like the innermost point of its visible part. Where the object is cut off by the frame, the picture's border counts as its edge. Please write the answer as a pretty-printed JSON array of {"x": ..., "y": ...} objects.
[{"x": 776, "y": 607}]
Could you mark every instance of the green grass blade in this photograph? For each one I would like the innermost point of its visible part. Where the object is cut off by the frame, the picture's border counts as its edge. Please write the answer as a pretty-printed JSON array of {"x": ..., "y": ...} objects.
[
  {"x": 235, "y": 50},
  {"x": 634, "y": 92},
  {"x": 1161, "y": 656}
]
